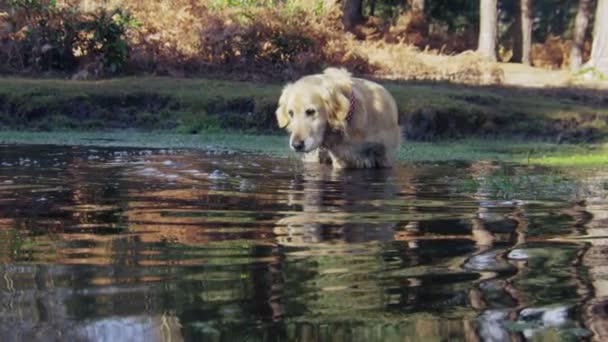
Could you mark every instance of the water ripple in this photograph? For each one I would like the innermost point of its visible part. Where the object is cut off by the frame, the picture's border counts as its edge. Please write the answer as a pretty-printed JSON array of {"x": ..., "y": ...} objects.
[{"x": 130, "y": 244}]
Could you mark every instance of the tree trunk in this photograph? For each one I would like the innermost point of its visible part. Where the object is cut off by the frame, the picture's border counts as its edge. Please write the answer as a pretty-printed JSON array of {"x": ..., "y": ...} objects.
[
  {"x": 578, "y": 39},
  {"x": 517, "y": 34},
  {"x": 372, "y": 8},
  {"x": 522, "y": 40},
  {"x": 599, "y": 49},
  {"x": 352, "y": 13},
  {"x": 417, "y": 5},
  {"x": 526, "y": 31},
  {"x": 488, "y": 21}
]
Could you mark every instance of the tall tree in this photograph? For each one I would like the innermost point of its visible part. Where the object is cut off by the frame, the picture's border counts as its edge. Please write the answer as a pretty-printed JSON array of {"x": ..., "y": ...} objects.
[
  {"x": 352, "y": 13},
  {"x": 522, "y": 42},
  {"x": 580, "y": 28},
  {"x": 488, "y": 22},
  {"x": 599, "y": 49}
]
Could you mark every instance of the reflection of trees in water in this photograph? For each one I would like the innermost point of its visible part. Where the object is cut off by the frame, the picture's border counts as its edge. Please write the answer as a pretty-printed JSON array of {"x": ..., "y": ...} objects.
[
  {"x": 469, "y": 246},
  {"x": 362, "y": 271},
  {"x": 362, "y": 255},
  {"x": 140, "y": 275},
  {"x": 551, "y": 273},
  {"x": 594, "y": 213},
  {"x": 53, "y": 302}
]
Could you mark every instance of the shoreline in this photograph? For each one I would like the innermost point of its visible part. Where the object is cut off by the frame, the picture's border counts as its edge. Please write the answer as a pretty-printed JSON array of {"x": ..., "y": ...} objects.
[
  {"x": 430, "y": 111},
  {"x": 525, "y": 152}
]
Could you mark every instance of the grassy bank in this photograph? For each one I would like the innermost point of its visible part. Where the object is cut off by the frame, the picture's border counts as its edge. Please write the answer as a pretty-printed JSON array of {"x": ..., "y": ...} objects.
[
  {"x": 530, "y": 152},
  {"x": 176, "y": 105}
]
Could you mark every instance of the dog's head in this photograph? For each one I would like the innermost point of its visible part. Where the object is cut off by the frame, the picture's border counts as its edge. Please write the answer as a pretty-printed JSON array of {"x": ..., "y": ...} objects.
[{"x": 313, "y": 105}]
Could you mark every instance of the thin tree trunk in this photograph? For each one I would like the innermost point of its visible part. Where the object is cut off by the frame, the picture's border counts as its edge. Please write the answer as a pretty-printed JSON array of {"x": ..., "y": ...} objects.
[
  {"x": 599, "y": 49},
  {"x": 417, "y": 5},
  {"x": 526, "y": 30},
  {"x": 517, "y": 34},
  {"x": 488, "y": 21},
  {"x": 352, "y": 13},
  {"x": 578, "y": 40},
  {"x": 372, "y": 7},
  {"x": 522, "y": 42}
]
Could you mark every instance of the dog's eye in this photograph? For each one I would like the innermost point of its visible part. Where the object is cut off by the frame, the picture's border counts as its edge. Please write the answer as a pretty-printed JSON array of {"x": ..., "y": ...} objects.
[
  {"x": 290, "y": 112},
  {"x": 310, "y": 112}
]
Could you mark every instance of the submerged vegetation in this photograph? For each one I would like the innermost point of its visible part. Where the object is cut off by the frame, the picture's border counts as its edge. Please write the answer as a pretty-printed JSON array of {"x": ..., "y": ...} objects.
[{"x": 526, "y": 153}]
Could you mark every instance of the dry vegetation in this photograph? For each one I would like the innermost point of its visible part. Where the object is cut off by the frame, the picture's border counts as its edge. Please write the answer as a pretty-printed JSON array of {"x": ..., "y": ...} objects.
[
  {"x": 240, "y": 39},
  {"x": 212, "y": 38}
]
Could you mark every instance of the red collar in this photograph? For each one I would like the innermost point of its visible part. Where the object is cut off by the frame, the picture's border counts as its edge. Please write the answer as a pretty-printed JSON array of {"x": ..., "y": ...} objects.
[{"x": 351, "y": 110}]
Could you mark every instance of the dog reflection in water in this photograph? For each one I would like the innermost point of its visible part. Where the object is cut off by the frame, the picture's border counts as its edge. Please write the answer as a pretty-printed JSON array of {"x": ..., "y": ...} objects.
[{"x": 330, "y": 207}]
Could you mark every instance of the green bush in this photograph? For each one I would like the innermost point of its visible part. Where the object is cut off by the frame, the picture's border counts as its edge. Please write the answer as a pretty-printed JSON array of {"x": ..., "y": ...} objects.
[
  {"x": 50, "y": 34},
  {"x": 108, "y": 29},
  {"x": 61, "y": 38}
]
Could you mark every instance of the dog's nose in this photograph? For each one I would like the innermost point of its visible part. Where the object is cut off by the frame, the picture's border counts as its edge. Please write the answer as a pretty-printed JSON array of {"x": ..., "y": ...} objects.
[{"x": 297, "y": 145}]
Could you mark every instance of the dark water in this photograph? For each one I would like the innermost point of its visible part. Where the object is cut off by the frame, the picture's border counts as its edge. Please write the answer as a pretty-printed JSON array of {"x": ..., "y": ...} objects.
[{"x": 160, "y": 245}]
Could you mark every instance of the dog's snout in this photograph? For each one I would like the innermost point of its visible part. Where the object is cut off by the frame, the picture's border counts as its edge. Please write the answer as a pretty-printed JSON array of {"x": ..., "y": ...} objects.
[{"x": 297, "y": 145}]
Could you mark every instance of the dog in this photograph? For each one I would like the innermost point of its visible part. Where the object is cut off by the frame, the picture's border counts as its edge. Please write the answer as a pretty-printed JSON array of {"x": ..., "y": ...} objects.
[{"x": 334, "y": 118}]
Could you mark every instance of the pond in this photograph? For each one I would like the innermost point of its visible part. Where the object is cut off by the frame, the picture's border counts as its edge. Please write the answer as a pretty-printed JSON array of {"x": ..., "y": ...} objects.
[{"x": 112, "y": 244}]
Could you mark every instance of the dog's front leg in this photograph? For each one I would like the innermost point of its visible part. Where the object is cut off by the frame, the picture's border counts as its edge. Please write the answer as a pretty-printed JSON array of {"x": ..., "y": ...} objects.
[
  {"x": 319, "y": 155},
  {"x": 374, "y": 154},
  {"x": 348, "y": 157},
  {"x": 311, "y": 157},
  {"x": 324, "y": 157},
  {"x": 366, "y": 155}
]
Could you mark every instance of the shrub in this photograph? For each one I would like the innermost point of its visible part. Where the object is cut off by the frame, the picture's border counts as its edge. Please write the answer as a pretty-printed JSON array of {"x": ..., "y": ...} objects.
[
  {"x": 105, "y": 33},
  {"x": 244, "y": 41},
  {"x": 43, "y": 36},
  {"x": 240, "y": 39}
]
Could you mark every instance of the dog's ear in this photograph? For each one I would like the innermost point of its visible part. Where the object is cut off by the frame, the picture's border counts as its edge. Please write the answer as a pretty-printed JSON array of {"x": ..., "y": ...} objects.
[
  {"x": 337, "y": 84},
  {"x": 281, "y": 112}
]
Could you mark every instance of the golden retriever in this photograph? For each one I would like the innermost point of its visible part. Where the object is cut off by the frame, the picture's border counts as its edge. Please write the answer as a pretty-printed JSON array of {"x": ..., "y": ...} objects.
[{"x": 338, "y": 119}]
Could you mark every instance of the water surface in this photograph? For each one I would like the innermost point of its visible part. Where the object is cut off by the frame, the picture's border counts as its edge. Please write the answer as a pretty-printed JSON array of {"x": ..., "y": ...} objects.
[{"x": 111, "y": 244}]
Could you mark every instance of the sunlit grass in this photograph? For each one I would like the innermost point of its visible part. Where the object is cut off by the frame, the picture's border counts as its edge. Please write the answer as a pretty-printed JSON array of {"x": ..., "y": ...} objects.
[
  {"x": 522, "y": 152},
  {"x": 590, "y": 156}
]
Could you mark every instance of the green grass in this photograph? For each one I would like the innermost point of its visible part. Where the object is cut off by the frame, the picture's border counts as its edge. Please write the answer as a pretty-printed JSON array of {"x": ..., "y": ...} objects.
[
  {"x": 524, "y": 152},
  {"x": 505, "y": 111},
  {"x": 116, "y": 112},
  {"x": 170, "y": 104},
  {"x": 594, "y": 157},
  {"x": 196, "y": 93},
  {"x": 180, "y": 105}
]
